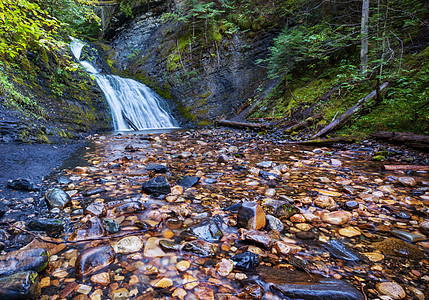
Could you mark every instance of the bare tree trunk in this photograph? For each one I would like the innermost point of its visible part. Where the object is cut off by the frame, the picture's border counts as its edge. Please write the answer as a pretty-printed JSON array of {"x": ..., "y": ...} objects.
[{"x": 364, "y": 34}]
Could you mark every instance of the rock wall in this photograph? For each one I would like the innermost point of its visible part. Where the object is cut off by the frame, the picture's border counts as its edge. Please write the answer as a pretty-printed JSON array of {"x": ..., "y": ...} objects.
[{"x": 208, "y": 77}]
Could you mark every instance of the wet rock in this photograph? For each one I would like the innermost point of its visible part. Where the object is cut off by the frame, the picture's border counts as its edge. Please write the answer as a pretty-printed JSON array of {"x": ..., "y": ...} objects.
[
  {"x": 22, "y": 285},
  {"x": 252, "y": 291},
  {"x": 119, "y": 294},
  {"x": 323, "y": 201},
  {"x": 391, "y": 289},
  {"x": 285, "y": 248},
  {"x": 24, "y": 260},
  {"x": 399, "y": 248},
  {"x": 50, "y": 226},
  {"x": 299, "y": 285},
  {"x": 246, "y": 261},
  {"x": 255, "y": 236},
  {"x": 351, "y": 204},
  {"x": 284, "y": 210},
  {"x": 57, "y": 198},
  {"x": 407, "y": 181},
  {"x": 101, "y": 278},
  {"x": 168, "y": 245},
  {"x": 306, "y": 235},
  {"x": 152, "y": 248},
  {"x": 93, "y": 260},
  {"x": 185, "y": 154},
  {"x": 424, "y": 227},
  {"x": 157, "y": 168},
  {"x": 407, "y": 235},
  {"x": 3, "y": 209},
  {"x": 92, "y": 192},
  {"x": 224, "y": 267},
  {"x": 128, "y": 208},
  {"x": 251, "y": 215},
  {"x": 63, "y": 180},
  {"x": 264, "y": 164},
  {"x": 22, "y": 185},
  {"x": 97, "y": 209},
  {"x": 188, "y": 181},
  {"x": 183, "y": 265},
  {"x": 339, "y": 250},
  {"x": 349, "y": 231},
  {"x": 92, "y": 228},
  {"x": 222, "y": 158},
  {"x": 339, "y": 217},
  {"x": 129, "y": 244},
  {"x": 173, "y": 223},
  {"x": 200, "y": 248},
  {"x": 401, "y": 215},
  {"x": 157, "y": 186},
  {"x": 111, "y": 225},
  {"x": 274, "y": 224},
  {"x": 207, "y": 230},
  {"x": 268, "y": 175}
]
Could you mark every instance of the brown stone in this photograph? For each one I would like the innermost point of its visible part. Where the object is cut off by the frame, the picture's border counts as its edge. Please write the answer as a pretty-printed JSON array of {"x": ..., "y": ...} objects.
[
  {"x": 93, "y": 260},
  {"x": 251, "y": 216},
  {"x": 339, "y": 217}
]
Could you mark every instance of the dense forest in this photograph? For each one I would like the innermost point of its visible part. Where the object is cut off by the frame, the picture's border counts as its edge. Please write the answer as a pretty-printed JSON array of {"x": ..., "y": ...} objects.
[{"x": 317, "y": 58}]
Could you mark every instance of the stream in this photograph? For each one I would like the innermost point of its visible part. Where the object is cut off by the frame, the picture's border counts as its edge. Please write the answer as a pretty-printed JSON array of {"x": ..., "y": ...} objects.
[{"x": 221, "y": 214}]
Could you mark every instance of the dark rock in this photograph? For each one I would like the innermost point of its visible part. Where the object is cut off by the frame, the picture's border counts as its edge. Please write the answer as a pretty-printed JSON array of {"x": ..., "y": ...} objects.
[
  {"x": 50, "y": 226},
  {"x": 424, "y": 227},
  {"x": 206, "y": 230},
  {"x": 92, "y": 192},
  {"x": 173, "y": 223},
  {"x": 401, "y": 215},
  {"x": 233, "y": 208},
  {"x": 299, "y": 285},
  {"x": 157, "y": 168},
  {"x": 130, "y": 148},
  {"x": 256, "y": 236},
  {"x": 22, "y": 285},
  {"x": 157, "y": 186},
  {"x": 22, "y": 184},
  {"x": 93, "y": 228},
  {"x": 251, "y": 215},
  {"x": 200, "y": 248},
  {"x": 339, "y": 250},
  {"x": 306, "y": 235},
  {"x": 222, "y": 158},
  {"x": 93, "y": 260},
  {"x": 188, "y": 181},
  {"x": 246, "y": 261},
  {"x": 57, "y": 198},
  {"x": 3, "y": 209},
  {"x": 24, "y": 260},
  {"x": 168, "y": 245},
  {"x": 251, "y": 291},
  {"x": 111, "y": 225}
]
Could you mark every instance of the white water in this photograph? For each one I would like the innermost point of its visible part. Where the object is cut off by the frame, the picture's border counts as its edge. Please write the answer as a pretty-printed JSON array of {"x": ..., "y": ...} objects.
[{"x": 126, "y": 96}]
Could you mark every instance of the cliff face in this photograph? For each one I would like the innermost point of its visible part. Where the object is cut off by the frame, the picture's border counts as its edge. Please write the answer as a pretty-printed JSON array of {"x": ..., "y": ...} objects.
[{"x": 208, "y": 72}]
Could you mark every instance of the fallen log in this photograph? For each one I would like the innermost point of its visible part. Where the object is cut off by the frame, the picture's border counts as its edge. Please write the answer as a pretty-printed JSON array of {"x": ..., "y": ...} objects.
[
  {"x": 129, "y": 122},
  {"x": 405, "y": 168},
  {"x": 345, "y": 117},
  {"x": 254, "y": 126},
  {"x": 303, "y": 124},
  {"x": 416, "y": 141},
  {"x": 324, "y": 142}
]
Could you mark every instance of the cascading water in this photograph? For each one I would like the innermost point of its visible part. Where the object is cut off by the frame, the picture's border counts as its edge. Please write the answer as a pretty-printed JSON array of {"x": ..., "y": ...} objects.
[{"x": 133, "y": 104}]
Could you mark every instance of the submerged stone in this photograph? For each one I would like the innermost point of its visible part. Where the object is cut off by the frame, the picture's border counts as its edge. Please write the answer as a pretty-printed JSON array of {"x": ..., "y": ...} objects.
[
  {"x": 111, "y": 225},
  {"x": 207, "y": 230},
  {"x": 339, "y": 217},
  {"x": 391, "y": 289},
  {"x": 339, "y": 250},
  {"x": 246, "y": 261},
  {"x": 21, "y": 285},
  {"x": 407, "y": 235},
  {"x": 299, "y": 285},
  {"x": 274, "y": 224},
  {"x": 152, "y": 248},
  {"x": 158, "y": 185},
  {"x": 129, "y": 244},
  {"x": 92, "y": 192},
  {"x": 200, "y": 248},
  {"x": 93, "y": 228},
  {"x": 128, "y": 208},
  {"x": 96, "y": 209},
  {"x": 24, "y": 260},
  {"x": 399, "y": 248},
  {"x": 50, "y": 226},
  {"x": 93, "y": 260},
  {"x": 57, "y": 198},
  {"x": 157, "y": 168},
  {"x": 188, "y": 181},
  {"x": 22, "y": 184}
]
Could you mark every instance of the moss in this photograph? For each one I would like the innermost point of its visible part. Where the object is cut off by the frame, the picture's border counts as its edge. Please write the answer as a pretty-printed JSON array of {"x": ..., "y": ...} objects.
[{"x": 204, "y": 123}]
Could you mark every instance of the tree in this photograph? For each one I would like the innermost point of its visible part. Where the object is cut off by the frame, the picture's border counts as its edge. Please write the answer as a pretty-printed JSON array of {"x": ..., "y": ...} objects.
[{"x": 364, "y": 38}]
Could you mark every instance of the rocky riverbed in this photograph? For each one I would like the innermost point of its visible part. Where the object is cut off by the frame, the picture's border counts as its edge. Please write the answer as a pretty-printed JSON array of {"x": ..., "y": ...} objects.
[{"x": 220, "y": 214}]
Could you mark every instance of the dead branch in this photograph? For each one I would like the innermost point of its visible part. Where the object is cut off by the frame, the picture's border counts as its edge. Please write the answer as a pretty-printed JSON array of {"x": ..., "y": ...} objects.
[{"x": 254, "y": 126}]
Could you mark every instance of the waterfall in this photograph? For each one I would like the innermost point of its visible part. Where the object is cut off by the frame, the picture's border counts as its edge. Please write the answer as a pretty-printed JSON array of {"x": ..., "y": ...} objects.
[{"x": 133, "y": 104}]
